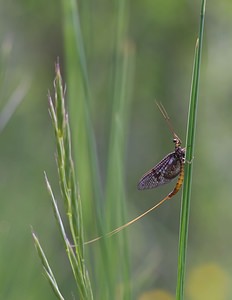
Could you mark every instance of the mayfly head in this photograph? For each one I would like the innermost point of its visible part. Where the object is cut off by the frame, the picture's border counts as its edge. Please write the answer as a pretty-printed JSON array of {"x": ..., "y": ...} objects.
[{"x": 177, "y": 141}]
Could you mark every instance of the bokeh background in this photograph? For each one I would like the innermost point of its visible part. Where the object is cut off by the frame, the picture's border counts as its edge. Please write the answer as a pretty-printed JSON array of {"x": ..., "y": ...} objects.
[{"x": 163, "y": 35}]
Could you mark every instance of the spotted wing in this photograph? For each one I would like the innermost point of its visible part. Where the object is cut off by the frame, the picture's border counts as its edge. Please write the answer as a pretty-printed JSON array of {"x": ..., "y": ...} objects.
[{"x": 167, "y": 169}]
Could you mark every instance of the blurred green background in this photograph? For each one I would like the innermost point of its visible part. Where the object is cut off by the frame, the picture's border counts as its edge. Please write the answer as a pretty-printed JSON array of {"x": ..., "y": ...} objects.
[{"x": 163, "y": 35}]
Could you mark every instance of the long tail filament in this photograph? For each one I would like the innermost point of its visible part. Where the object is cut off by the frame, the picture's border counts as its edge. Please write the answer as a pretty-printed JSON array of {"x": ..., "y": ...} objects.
[{"x": 168, "y": 197}]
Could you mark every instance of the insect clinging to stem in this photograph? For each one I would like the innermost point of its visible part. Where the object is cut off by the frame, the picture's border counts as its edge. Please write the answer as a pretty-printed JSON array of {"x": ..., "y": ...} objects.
[{"x": 171, "y": 166}]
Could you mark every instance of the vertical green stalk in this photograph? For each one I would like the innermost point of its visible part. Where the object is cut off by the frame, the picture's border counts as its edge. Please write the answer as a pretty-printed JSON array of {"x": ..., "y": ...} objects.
[
  {"x": 191, "y": 128},
  {"x": 79, "y": 92},
  {"x": 115, "y": 188}
]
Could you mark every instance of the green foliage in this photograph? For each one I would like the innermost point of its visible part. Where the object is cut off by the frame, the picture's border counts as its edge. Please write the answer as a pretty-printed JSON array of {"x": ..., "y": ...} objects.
[
  {"x": 162, "y": 35},
  {"x": 109, "y": 267}
]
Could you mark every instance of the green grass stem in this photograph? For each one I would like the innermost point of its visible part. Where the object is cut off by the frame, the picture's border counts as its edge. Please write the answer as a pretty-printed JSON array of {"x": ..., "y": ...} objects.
[
  {"x": 80, "y": 119},
  {"x": 115, "y": 188},
  {"x": 191, "y": 128}
]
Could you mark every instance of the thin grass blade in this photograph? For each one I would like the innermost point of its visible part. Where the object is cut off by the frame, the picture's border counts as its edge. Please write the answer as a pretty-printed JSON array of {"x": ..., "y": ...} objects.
[
  {"x": 76, "y": 261},
  {"x": 47, "y": 268},
  {"x": 191, "y": 128}
]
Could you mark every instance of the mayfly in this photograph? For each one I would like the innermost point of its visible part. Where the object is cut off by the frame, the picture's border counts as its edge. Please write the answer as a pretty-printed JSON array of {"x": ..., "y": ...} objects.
[{"x": 171, "y": 166}]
